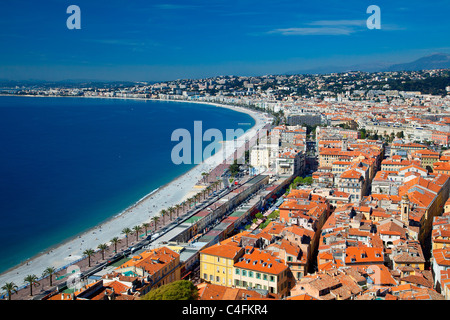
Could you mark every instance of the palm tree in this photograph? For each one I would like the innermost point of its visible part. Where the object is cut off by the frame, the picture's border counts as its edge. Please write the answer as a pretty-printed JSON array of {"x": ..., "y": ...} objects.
[
  {"x": 50, "y": 271},
  {"x": 10, "y": 288},
  {"x": 115, "y": 241},
  {"x": 103, "y": 247},
  {"x": 163, "y": 213},
  {"x": 145, "y": 225},
  {"x": 32, "y": 281},
  {"x": 126, "y": 232},
  {"x": 204, "y": 193},
  {"x": 197, "y": 198},
  {"x": 177, "y": 208},
  {"x": 171, "y": 210},
  {"x": 190, "y": 200},
  {"x": 208, "y": 189},
  {"x": 89, "y": 253},
  {"x": 155, "y": 221},
  {"x": 205, "y": 176},
  {"x": 137, "y": 229}
]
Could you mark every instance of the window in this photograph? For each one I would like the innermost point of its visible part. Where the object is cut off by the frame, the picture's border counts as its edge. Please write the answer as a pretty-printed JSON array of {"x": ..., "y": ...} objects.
[
  {"x": 258, "y": 275},
  {"x": 250, "y": 274},
  {"x": 237, "y": 271},
  {"x": 264, "y": 276},
  {"x": 272, "y": 278},
  {"x": 244, "y": 272}
]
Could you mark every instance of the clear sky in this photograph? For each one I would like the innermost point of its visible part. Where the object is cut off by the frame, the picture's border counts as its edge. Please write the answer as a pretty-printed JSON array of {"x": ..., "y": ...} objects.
[{"x": 147, "y": 40}]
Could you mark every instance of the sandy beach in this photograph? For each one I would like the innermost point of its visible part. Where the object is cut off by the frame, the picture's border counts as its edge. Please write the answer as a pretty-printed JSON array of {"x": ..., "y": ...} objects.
[{"x": 142, "y": 211}]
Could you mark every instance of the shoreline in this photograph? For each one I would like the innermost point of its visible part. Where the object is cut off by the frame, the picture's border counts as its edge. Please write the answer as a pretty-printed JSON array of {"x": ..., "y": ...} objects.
[{"x": 171, "y": 192}]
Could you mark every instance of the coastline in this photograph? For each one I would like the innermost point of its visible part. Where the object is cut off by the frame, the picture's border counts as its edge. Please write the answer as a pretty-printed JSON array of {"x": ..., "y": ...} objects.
[{"x": 169, "y": 194}]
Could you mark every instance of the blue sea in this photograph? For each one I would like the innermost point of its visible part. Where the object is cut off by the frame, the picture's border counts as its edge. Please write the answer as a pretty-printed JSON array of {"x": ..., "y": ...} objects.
[{"x": 69, "y": 164}]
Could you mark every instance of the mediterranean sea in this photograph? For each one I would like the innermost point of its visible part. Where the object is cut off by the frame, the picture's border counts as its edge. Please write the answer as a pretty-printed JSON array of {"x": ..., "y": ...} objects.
[{"x": 68, "y": 164}]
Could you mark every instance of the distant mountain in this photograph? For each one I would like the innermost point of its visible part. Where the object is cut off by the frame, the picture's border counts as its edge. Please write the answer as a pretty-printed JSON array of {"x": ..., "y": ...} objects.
[{"x": 434, "y": 61}]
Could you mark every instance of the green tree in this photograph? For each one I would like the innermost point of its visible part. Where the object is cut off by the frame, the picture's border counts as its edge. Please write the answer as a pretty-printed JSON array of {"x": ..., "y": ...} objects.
[
  {"x": 163, "y": 214},
  {"x": 146, "y": 225},
  {"x": 50, "y": 271},
  {"x": 115, "y": 241},
  {"x": 197, "y": 198},
  {"x": 177, "y": 208},
  {"x": 177, "y": 290},
  {"x": 363, "y": 133},
  {"x": 89, "y": 253},
  {"x": 307, "y": 180},
  {"x": 274, "y": 215},
  {"x": 298, "y": 180},
  {"x": 155, "y": 221},
  {"x": 247, "y": 156},
  {"x": 234, "y": 168},
  {"x": 126, "y": 232},
  {"x": 102, "y": 247},
  {"x": 10, "y": 288},
  {"x": 171, "y": 210},
  {"x": 137, "y": 230},
  {"x": 32, "y": 281}
]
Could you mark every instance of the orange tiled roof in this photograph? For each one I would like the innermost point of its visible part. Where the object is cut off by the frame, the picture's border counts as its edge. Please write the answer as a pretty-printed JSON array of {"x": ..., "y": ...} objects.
[
  {"x": 223, "y": 250},
  {"x": 261, "y": 261}
]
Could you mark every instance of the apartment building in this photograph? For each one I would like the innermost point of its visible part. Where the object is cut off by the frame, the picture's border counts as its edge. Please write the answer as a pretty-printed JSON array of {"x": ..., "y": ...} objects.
[
  {"x": 261, "y": 270},
  {"x": 217, "y": 263}
]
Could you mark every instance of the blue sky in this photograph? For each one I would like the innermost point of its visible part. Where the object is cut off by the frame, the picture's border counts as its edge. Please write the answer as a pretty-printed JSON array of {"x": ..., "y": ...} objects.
[{"x": 164, "y": 40}]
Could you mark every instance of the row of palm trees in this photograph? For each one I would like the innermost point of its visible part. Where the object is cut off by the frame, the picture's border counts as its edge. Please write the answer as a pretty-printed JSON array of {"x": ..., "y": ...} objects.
[
  {"x": 33, "y": 281},
  {"x": 185, "y": 204},
  {"x": 165, "y": 212}
]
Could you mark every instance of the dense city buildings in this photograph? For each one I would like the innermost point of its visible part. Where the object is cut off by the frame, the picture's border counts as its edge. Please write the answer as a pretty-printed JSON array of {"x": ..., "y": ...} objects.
[{"x": 345, "y": 197}]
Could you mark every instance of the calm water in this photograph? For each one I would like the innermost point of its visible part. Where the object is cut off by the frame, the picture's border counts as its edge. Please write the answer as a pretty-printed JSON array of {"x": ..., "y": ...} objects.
[{"x": 68, "y": 164}]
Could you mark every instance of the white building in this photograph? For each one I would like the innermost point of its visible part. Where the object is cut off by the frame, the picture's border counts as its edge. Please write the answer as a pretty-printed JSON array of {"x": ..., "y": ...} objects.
[{"x": 290, "y": 162}]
